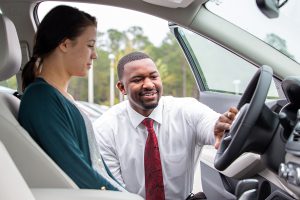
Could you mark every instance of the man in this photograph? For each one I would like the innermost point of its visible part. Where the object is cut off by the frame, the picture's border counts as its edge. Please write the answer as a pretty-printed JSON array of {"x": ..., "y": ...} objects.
[{"x": 156, "y": 162}]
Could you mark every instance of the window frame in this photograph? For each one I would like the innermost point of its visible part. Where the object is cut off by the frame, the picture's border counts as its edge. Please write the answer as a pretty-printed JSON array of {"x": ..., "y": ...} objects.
[{"x": 196, "y": 66}]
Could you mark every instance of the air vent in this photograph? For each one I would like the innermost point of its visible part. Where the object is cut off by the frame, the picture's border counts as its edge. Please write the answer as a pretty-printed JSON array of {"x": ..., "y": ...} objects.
[{"x": 296, "y": 138}]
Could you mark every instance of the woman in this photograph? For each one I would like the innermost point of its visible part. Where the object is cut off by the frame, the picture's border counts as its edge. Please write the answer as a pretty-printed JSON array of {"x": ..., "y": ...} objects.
[{"x": 64, "y": 47}]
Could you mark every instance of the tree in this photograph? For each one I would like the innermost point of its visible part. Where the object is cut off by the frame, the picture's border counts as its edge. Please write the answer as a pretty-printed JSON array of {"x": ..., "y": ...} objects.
[
  {"x": 116, "y": 40},
  {"x": 278, "y": 43},
  {"x": 137, "y": 39},
  {"x": 101, "y": 78}
]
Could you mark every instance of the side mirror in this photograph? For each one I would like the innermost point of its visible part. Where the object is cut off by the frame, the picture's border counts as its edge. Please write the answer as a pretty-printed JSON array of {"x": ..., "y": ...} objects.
[{"x": 270, "y": 8}]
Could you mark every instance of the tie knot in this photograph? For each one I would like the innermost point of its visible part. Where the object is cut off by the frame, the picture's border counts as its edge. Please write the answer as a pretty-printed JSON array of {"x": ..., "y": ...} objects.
[{"x": 148, "y": 123}]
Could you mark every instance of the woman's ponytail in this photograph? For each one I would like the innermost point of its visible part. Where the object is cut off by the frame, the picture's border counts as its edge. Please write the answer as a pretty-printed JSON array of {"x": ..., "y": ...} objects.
[{"x": 29, "y": 72}]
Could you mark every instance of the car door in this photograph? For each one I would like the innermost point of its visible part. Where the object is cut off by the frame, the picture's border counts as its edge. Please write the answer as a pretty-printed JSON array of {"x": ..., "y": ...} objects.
[{"x": 222, "y": 76}]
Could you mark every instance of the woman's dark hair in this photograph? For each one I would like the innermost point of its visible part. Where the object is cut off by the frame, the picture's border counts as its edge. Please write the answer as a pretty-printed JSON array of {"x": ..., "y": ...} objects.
[{"x": 62, "y": 22}]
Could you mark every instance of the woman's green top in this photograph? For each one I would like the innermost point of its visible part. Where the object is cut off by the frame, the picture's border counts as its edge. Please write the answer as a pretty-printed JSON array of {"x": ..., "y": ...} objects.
[{"x": 56, "y": 124}]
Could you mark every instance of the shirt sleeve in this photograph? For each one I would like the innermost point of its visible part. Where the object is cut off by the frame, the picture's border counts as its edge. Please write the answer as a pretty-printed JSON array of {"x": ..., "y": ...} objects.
[
  {"x": 106, "y": 143},
  {"x": 203, "y": 119},
  {"x": 44, "y": 116}
]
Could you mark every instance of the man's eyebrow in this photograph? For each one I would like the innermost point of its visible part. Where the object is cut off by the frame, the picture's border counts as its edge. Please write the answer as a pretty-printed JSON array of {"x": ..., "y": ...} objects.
[
  {"x": 140, "y": 76},
  {"x": 155, "y": 72},
  {"x": 137, "y": 76}
]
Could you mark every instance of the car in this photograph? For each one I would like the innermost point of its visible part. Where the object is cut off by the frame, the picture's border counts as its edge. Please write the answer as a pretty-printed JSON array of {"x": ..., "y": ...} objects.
[
  {"x": 240, "y": 53},
  {"x": 93, "y": 110}
]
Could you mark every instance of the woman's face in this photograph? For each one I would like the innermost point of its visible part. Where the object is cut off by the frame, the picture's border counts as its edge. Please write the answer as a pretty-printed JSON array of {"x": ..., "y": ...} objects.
[{"x": 81, "y": 52}]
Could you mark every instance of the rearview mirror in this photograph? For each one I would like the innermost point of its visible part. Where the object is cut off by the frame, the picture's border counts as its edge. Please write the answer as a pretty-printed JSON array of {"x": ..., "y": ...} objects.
[{"x": 270, "y": 8}]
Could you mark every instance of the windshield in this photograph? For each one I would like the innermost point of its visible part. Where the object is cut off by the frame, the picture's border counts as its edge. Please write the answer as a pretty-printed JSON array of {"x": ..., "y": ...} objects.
[{"x": 282, "y": 33}]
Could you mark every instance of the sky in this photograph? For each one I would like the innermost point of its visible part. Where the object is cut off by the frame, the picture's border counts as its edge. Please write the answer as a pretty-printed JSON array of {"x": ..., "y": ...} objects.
[{"x": 118, "y": 18}]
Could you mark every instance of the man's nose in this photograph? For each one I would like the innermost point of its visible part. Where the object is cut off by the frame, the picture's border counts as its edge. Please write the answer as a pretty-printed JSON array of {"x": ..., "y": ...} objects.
[{"x": 148, "y": 83}]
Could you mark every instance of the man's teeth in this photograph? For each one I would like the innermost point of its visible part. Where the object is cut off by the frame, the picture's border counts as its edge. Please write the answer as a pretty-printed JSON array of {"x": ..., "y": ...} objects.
[{"x": 149, "y": 94}]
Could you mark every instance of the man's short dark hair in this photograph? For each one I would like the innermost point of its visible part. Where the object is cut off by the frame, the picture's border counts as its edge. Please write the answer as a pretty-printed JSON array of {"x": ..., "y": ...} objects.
[{"x": 129, "y": 58}]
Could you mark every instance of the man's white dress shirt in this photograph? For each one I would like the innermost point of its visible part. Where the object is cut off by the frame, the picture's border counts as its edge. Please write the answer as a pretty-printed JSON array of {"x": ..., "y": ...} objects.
[{"x": 182, "y": 126}]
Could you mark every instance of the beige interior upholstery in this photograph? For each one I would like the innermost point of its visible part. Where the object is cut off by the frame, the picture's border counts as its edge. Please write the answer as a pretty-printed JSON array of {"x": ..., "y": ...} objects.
[
  {"x": 82, "y": 194},
  {"x": 10, "y": 57},
  {"x": 36, "y": 167},
  {"x": 14, "y": 187},
  {"x": 11, "y": 179},
  {"x": 38, "y": 170}
]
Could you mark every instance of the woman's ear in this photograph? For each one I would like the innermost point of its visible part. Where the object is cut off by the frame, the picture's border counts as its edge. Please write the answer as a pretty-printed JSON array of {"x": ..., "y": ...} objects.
[
  {"x": 121, "y": 87},
  {"x": 63, "y": 46}
]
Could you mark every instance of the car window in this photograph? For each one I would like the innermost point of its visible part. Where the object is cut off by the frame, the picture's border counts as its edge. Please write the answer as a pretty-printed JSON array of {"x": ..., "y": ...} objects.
[
  {"x": 282, "y": 32},
  {"x": 220, "y": 70},
  {"x": 120, "y": 34},
  {"x": 9, "y": 84}
]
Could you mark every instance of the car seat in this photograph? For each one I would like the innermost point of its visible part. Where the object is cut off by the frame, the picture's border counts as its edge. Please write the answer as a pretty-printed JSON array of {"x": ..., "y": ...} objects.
[
  {"x": 37, "y": 168},
  {"x": 11, "y": 179}
]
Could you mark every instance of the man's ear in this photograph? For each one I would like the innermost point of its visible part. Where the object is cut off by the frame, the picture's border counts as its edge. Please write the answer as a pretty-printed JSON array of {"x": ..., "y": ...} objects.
[{"x": 121, "y": 87}]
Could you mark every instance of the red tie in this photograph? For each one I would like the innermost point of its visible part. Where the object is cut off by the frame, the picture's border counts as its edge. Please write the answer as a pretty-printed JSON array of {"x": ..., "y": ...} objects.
[{"x": 153, "y": 171}]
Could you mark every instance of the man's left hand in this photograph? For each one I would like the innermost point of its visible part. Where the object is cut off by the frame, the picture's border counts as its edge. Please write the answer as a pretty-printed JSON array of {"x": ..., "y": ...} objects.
[{"x": 224, "y": 123}]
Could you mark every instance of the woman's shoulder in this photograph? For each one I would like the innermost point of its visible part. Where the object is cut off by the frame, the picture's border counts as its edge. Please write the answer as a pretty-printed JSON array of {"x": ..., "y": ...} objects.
[
  {"x": 38, "y": 93},
  {"x": 39, "y": 87}
]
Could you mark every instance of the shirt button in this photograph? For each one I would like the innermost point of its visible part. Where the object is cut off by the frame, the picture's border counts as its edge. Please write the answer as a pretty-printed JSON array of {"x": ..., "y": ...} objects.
[{"x": 103, "y": 188}]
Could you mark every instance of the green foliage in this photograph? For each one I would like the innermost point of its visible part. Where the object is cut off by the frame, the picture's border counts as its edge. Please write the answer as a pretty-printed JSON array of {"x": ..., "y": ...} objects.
[
  {"x": 10, "y": 83},
  {"x": 101, "y": 78},
  {"x": 279, "y": 44}
]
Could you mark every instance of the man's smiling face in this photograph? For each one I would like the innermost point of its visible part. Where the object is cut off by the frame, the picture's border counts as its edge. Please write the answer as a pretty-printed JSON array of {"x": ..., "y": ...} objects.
[{"x": 142, "y": 85}]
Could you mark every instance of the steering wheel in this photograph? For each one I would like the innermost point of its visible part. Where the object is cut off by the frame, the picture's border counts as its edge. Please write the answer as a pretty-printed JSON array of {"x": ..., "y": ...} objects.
[{"x": 250, "y": 131}]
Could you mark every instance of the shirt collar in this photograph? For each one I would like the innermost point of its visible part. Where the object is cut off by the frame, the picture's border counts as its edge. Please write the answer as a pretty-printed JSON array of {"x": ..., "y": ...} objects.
[{"x": 136, "y": 118}]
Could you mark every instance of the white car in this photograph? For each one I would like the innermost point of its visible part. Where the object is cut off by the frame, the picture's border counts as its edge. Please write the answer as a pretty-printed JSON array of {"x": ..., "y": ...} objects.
[{"x": 241, "y": 53}]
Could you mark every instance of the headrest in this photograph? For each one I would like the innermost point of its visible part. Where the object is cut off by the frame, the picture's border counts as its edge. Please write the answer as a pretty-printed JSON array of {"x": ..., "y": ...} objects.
[{"x": 10, "y": 50}]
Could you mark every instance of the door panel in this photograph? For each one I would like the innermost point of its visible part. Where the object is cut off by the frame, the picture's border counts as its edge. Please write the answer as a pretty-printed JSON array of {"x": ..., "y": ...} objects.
[{"x": 218, "y": 101}]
